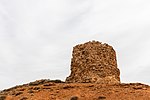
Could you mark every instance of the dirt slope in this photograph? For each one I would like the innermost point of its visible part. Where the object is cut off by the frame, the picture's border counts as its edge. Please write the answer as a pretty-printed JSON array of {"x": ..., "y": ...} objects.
[{"x": 58, "y": 90}]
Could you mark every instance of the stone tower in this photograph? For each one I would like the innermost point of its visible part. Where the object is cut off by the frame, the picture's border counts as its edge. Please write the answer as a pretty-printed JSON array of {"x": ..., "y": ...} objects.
[{"x": 94, "y": 62}]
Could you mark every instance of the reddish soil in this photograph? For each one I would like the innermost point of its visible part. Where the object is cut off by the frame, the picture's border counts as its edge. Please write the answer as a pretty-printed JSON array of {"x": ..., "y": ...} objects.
[{"x": 58, "y": 90}]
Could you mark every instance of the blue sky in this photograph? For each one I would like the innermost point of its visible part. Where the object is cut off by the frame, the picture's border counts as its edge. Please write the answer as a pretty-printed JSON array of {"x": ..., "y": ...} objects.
[{"x": 36, "y": 37}]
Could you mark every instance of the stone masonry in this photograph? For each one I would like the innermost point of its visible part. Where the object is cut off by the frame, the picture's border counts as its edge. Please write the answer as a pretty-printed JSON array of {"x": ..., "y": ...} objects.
[{"x": 94, "y": 62}]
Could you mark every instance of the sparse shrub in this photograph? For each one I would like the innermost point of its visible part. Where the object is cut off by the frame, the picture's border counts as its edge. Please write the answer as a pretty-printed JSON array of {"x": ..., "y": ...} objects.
[
  {"x": 30, "y": 91},
  {"x": 3, "y": 97},
  {"x": 36, "y": 88},
  {"x": 74, "y": 98},
  {"x": 18, "y": 93},
  {"x": 56, "y": 81},
  {"x": 67, "y": 87},
  {"x": 24, "y": 98},
  {"x": 101, "y": 98}
]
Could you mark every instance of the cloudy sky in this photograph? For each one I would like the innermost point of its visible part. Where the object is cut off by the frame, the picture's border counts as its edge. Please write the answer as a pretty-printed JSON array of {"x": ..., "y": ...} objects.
[{"x": 37, "y": 36}]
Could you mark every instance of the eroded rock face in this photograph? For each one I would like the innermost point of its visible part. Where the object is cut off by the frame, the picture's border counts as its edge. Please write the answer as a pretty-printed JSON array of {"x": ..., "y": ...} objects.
[{"x": 94, "y": 62}]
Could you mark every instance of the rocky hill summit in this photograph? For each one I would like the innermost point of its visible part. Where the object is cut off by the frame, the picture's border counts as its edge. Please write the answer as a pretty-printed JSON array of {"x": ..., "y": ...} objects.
[{"x": 94, "y": 76}]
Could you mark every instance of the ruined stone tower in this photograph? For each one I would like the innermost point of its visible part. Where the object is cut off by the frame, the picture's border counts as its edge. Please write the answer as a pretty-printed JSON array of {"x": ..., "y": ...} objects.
[{"x": 94, "y": 62}]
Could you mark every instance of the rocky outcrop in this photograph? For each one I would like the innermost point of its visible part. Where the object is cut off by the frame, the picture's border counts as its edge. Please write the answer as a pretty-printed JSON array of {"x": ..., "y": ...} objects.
[{"x": 94, "y": 62}]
